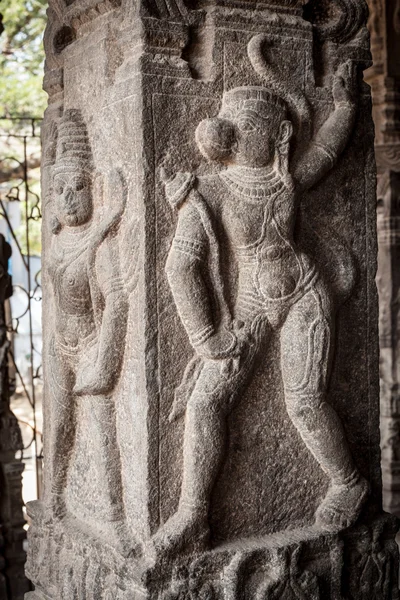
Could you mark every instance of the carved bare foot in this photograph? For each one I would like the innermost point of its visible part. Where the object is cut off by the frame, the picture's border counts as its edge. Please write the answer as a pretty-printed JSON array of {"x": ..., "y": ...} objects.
[
  {"x": 342, "y": 505},
  {"x": 187, "y": 530}
]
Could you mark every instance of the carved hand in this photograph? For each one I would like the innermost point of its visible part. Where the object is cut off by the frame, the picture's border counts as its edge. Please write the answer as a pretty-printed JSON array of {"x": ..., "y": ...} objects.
[
  {"x": 344, "y": 84},
  {"x": 92, "y": 382},
  {"x": 90, "y": 379},
  {"x": 331, "y": 139}
]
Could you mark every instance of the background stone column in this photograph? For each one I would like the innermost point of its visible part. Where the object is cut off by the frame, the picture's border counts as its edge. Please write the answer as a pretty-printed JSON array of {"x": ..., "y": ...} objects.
[
  {"x": 211, "y": 317},
  {"x": 384, "y": 78}
]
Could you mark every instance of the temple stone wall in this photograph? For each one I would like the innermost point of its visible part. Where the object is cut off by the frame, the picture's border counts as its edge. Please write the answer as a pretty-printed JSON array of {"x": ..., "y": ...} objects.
[{"x": 211, "y": 331}]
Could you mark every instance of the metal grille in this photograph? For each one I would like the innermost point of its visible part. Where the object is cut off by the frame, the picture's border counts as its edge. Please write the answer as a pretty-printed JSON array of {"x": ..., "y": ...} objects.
[{"x": 20, "y": 219}]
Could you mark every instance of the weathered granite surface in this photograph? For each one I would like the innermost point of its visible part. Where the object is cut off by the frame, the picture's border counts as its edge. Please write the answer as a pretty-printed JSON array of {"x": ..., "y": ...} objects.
[
  {"x": 384, "y": 78},
  {"x": 211, "y": 345}
]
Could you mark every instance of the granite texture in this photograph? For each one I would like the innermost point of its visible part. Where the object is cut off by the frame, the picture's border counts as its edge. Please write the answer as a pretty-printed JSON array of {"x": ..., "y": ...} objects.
[{"x": 211, "y": 346}]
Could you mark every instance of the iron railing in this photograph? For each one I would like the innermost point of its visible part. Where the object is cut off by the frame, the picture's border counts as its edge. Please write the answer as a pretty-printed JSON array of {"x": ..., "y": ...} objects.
[{"x": 20, "y": 219}]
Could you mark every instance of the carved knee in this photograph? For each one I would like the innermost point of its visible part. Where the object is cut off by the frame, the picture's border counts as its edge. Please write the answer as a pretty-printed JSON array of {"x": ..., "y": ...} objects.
[{"x": 305, "y": 410}]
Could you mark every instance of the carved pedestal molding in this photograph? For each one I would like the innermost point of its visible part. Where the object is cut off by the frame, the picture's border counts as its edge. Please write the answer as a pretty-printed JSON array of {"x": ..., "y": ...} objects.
[
  {"x": 13, "y": 583},
  {"x": 384, "y": 77},
  {"x": 211, "y": 341}
]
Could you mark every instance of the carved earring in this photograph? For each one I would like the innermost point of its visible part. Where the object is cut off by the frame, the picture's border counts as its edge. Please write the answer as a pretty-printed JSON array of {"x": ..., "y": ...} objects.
[
  {"x": 283, "y": 158},
  {"x": 283, "y": 147}
]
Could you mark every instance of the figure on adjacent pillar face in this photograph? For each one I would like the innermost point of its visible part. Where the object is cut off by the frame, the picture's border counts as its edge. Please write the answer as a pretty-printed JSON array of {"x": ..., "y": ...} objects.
[
  {"x": 90, "y": 306},
  {"x": 251, "y": 206}
]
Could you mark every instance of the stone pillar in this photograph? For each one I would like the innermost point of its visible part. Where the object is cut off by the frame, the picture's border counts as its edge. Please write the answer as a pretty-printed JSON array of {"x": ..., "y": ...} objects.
[
  {"x": 13, "y": 583},
  {"x": 211, "y": 315},
  {"x": 384, "y": 78}
]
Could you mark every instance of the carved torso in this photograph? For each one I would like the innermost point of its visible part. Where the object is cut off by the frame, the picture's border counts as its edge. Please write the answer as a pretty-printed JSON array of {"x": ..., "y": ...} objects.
[
  {"x": 69, "y": 271},
  {"x": 259, "y": 226}
]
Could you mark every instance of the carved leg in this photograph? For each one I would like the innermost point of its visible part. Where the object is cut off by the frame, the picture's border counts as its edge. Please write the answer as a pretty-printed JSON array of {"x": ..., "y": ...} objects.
[
  {"x": 306, "y": 349},
  {"x": 62, "y": 432},
  {"x": 115, "y": 529},
  {"x": 203, "y": 455}
]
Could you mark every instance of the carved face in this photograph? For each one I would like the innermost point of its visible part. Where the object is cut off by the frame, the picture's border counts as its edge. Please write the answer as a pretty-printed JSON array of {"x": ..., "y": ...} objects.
[
  {"x": 244, "y": 133},
  {"x": 73, "y": 198}
]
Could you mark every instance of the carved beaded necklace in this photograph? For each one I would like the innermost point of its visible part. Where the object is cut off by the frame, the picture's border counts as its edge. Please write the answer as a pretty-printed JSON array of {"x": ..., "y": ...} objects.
[
  {"x": 251, "y": 183},
  {"x": 74, "y": 242}
]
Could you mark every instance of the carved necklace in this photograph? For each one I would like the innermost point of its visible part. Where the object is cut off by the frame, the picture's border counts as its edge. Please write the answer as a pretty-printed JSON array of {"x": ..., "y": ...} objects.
[
  {"x": 252, "y": 183},
  {"x": 73, "y": 243}
]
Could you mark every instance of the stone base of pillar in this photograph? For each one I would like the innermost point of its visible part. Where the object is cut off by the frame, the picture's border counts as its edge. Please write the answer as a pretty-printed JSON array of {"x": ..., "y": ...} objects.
[{"x": 358, "y": 564}]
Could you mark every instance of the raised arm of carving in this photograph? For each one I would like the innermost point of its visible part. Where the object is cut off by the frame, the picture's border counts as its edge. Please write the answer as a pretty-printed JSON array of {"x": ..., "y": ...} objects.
[
  {"x": 332, "y": 138},
  {"x": 99, "y": 370},
  {"x": 186, "y": 267}
]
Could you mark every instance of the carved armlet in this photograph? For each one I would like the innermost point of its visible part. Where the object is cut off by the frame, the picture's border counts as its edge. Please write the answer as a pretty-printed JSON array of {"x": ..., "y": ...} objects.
[{"x": 193, "y": 248}]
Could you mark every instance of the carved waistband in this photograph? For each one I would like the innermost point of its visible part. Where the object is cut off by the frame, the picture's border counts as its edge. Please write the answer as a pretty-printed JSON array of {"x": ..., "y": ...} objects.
[
  {"x": 73, "y": 351},
  {"x": 252, "y": 302}
]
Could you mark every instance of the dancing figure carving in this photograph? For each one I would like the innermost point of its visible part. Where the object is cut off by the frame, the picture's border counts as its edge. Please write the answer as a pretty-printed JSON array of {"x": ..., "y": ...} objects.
[
  {"x": 251, "y": 207},
  {"x": 91, "y": 306}
]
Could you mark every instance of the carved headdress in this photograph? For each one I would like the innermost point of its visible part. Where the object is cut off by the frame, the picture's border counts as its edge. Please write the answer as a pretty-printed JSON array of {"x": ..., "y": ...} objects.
[
  {"x": 73, "y": 151},
  {"x": 254, "y": 93}
]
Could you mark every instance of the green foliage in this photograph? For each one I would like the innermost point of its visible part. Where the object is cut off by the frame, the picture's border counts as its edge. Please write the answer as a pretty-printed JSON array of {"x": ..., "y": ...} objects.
[
  {"x": 22, "y": 58},
  {"x": 21, "y": 75}
]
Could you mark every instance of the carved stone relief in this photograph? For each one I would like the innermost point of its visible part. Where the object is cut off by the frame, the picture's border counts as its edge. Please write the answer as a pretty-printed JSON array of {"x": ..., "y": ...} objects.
[
  {"x": 90, "y": 309},
  {"x": 279, "y": 287},
  {"x": 211, "y": 417}
]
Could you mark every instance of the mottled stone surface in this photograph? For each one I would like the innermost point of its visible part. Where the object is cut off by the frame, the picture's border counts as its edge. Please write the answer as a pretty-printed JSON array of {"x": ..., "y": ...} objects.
[
  {"x": 211, "y": 348},
  {"x": 384, "y": 78}
]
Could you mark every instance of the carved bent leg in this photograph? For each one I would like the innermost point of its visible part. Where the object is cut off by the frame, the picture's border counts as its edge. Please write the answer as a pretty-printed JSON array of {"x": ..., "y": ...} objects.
[
  {"x": 306, "y": 348},
  {"x": 204, "y": 446},
  {"x": 63, "y": 429}
]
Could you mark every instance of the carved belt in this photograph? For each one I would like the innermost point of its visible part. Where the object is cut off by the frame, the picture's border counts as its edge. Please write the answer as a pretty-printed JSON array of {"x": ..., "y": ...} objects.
[{"x": 73, "y": 351}]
